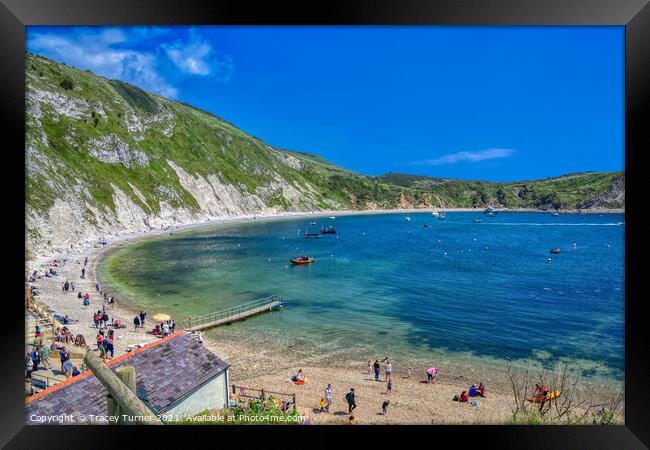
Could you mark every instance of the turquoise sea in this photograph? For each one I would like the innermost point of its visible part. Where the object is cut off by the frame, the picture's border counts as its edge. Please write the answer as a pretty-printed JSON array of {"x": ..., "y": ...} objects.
[{"x": 384, "y": 286}]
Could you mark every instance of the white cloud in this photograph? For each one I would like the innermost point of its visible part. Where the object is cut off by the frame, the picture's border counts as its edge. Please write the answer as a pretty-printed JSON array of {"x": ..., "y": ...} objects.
[
  {"x": 197, "y": 57},
  {"x": 476, "y": 156},
  {"x": 95, "y": 51}
]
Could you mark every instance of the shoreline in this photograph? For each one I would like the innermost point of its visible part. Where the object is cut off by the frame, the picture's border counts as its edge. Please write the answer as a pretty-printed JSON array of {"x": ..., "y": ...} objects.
[{"x": 261, "y": 366}]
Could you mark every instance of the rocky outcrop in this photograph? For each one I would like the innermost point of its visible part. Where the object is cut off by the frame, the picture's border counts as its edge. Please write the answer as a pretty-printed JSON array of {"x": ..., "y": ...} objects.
[{"x": 614, "y": 197}]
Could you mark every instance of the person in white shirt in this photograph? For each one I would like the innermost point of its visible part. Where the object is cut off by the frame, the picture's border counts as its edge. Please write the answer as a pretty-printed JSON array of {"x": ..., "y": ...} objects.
[{"x": 328, "y": 397}]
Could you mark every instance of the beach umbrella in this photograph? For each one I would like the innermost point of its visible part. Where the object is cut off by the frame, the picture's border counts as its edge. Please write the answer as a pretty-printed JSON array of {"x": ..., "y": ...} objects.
[
  {"x": 161, "y": 317},
  {"x": 431, "y": 370}
]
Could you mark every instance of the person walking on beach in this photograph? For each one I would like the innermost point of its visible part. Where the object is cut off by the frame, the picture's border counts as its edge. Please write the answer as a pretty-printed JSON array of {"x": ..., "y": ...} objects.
[
  {"x": 349, "y": 397},
  {"x": 384, "y": 406},
  {"x": 105, "y": 319},
  {"x": 376, "y": 367},
  {"x": 328, "y": 397},
  {"x": 369, "y": 367},
  {"x": 388, "y": 370},
  {"x": 136, "y": 322},
  {"x": 67, "y": 368},
  {"x": 83, "y": 272},
  {"x": 44, "y": 353},
  {"x": 110, "y": 348},
  {"x": 100, "y": 340},
  {"x": 36, "y": 358},
  {"x": 72, "y": 286},
  {"x": 142, "y": 316},
  {"x": 97, "y": 286},
  {"x": 389, "y": 387},
  {"x": 29, "y": 367}
]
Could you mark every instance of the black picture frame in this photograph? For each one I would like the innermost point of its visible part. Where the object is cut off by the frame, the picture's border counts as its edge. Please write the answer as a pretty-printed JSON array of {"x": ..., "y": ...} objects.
[{"x": 634, "y": 15}]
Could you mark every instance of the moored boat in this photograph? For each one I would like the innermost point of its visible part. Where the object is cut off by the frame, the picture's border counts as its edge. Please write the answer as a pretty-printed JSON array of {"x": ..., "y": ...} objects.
[
  {"x": 328, "y": 230},
  {"x": 555, "y": 250},
  {"x": 302, "y": 260}
]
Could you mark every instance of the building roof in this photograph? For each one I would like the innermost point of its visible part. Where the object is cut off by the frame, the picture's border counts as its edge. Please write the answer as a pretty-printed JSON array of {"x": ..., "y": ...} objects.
[{"x": 167, "y": 370}]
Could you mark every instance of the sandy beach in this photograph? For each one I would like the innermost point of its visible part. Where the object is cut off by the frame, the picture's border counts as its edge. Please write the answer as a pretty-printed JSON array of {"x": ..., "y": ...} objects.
[{"x": 262, "y": 366}]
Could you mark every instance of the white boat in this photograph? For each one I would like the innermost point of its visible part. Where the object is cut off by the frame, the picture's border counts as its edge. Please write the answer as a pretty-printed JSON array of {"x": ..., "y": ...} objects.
[
  {"x": 435, "y": 213},
  {"x": 331, "y": 217},
  {"x": 407, "y": 218},
  {"x": 442, "y": 216}
]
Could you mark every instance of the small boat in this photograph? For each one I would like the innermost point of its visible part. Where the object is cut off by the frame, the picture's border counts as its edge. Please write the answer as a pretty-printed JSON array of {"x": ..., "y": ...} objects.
[
  {"x": 441, "y": 216},
  {"x": 476, "y": 220},
  {"x": 407, "y": 218},
  {"x": 555, "y": 250},
  {"x": 311, "y": 235},
  {"x": 555, "y": 213},
  {"x": 331, "y": 217},
  {"x": 302, "y": 260},
  {"x": 328, "y": 230},
  {"x": 490, "y": 211},
  {"x": 312, "y": 223},
  {"x": 435, "y": 213},
  {"x": 426, "y": 225}
]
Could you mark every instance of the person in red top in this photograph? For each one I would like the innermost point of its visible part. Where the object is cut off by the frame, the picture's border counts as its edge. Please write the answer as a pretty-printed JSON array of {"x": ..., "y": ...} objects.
[
  {"x": 481, "y": 389},
  {"x": 463, "y": 397},
  {"x": 100, "y": 340}
]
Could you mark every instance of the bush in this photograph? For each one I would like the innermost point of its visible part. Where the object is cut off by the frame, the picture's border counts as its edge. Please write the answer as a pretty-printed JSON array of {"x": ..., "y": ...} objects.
[{"x": 66, "y": 84}]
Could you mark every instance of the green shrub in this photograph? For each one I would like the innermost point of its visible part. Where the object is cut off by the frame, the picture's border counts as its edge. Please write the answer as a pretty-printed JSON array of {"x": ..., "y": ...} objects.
[{"x": 66, "y": 84}]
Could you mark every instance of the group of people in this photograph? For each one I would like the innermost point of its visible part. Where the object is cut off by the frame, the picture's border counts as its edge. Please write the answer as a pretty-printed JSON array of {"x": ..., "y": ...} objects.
[
  {"x": 473, "y": 392},
  {"x": 41, "y": 355},
  {"x": 164, "y": 329},
  {"x": 67, "y": 286},
  {"x": 138, "y": 320},
  {"x": 105, "y": 343},
  {"x": 376, "y": 367}
]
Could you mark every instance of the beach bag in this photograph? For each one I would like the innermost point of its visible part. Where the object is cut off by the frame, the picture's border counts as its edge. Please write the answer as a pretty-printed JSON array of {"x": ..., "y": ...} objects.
[{"x": 455, "y": 399}]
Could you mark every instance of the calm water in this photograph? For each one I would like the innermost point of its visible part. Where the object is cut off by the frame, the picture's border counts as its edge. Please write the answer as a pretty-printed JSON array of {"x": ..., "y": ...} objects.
[{"x": 385, "y": 286}]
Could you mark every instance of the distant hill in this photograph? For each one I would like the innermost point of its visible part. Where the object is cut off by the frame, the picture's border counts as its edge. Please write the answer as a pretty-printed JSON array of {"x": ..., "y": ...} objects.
[{"x": 103, "y": 157}]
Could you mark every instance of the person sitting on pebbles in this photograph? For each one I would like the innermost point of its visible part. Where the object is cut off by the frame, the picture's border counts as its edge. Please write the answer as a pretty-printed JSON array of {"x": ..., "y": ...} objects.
[{"x": 299, "y": 378}]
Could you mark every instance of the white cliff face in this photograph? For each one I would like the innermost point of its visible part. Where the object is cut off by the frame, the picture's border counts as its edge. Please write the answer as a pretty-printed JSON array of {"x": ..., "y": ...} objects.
[
  {"x": 70, "y": 203},
  {"x": 111, "y": 149},
  {"x": 62, "y": 104}
]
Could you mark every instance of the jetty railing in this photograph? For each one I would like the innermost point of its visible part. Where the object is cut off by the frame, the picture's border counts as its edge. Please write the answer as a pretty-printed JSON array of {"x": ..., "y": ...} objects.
[{"x": 233, "y": 313}]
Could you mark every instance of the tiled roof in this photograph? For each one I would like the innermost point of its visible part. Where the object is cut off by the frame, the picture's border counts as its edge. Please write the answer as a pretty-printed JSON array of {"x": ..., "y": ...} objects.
[{"x": 167, "y": 370}]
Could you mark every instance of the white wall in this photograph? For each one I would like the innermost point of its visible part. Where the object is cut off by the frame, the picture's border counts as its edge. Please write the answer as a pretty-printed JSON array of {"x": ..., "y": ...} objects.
[{"x": 212, "y": 395}]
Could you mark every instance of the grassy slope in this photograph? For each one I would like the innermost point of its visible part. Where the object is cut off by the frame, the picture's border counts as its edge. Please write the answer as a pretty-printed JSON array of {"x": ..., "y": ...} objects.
[{"x": 205, "y": 144}]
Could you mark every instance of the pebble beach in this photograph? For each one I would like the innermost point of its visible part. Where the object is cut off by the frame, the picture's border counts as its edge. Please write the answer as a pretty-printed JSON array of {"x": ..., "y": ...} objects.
[{"x": 412, "y": 400}]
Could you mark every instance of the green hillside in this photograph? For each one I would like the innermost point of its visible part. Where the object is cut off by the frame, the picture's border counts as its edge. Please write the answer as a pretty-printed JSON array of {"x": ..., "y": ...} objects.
[{"x": 105, "y": 156}]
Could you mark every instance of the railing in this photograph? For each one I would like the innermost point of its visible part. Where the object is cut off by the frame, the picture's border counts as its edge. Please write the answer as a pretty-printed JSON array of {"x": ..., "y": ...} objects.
[
  {"x": 240, "y": 393},
  {"x": 230, "y": 313},
  {"x": 41, "y": 382}
]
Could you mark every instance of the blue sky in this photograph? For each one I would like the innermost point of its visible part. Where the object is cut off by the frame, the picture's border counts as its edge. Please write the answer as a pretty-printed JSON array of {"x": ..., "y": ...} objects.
[{"x": 493, "y": 103}]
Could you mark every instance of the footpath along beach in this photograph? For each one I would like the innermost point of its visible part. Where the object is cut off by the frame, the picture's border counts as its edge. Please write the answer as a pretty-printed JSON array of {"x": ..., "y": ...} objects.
[{"x": 262, "y": 366}]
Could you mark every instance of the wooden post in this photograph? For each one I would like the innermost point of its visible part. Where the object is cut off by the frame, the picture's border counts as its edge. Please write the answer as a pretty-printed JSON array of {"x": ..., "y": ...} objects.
[
  {"x": 293, "y": 399},
  {"x": 234, "y": 389},
  {"x": 128, "y": 401}
]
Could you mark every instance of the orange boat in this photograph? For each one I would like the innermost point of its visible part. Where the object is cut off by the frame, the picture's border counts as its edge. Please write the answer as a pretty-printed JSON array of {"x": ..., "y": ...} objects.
[{"x": 302, "y": 260}]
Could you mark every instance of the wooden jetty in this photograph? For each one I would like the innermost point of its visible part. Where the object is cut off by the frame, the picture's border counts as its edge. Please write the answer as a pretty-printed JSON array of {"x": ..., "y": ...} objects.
[{"x": 233, "y": 314}]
